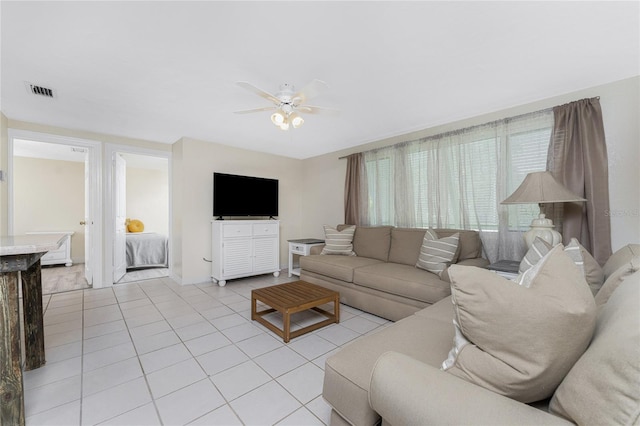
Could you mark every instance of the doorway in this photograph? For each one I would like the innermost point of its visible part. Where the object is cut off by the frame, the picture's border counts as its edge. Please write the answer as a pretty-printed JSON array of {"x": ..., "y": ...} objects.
[
  {"x": 52, "y": 189},
  {"x": 140, "y": 195}
]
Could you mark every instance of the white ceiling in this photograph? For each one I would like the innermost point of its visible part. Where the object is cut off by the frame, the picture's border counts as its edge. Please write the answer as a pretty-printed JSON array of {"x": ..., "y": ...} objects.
[{"x": 163, "y": 70}]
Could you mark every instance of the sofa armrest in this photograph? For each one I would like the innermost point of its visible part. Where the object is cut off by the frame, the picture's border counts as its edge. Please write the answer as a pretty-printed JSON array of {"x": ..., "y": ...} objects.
[
  {"x": 316, "y": 249},
  {"x": 405, "y": 391}
]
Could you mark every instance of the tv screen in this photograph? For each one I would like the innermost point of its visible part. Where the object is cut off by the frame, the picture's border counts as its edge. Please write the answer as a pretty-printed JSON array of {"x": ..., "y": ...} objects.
[{"x": 235, "y": 195}]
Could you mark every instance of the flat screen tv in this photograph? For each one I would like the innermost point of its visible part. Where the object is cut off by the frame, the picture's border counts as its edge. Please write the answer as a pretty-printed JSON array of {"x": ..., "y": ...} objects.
[{"x": 235, "y": 195}]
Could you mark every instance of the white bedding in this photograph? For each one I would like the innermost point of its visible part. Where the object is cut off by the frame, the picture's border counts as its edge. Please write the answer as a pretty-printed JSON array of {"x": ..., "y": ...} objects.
[{"x": 146, "y": 250}]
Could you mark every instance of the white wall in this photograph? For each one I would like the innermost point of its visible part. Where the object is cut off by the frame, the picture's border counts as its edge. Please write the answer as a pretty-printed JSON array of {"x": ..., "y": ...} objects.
[
  {"x": 48, "y": 195},
  {"x": 4, "y": 160},
  {"x": 324, "y": 175},
  {"x": 193, "y": 191},
  {"x": 148, "y": 198}
]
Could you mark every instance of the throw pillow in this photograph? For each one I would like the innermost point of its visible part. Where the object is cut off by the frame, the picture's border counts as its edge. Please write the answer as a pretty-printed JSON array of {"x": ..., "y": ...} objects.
[
  {"x": 592, "y": 271},
  {"x": 437, "y": 254},
  {"x": 517, "y": 341},
  {"x": 135, "y": 225},
  {"x": 338, "y": 242},
  {"x": 538, "y": 249}
]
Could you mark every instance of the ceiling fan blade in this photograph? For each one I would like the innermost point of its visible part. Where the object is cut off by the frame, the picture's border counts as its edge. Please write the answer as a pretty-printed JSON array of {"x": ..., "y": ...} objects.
[
  {"x": 258, "y": 92},
  {"x": 314, "y": 88},
  {"x": 309, "y": 109},
  {"x": 248, "y": 111}
]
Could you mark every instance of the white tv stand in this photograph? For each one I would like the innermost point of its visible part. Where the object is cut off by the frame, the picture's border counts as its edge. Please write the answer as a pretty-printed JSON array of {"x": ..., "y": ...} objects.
[{"x": 243, "y": 248}]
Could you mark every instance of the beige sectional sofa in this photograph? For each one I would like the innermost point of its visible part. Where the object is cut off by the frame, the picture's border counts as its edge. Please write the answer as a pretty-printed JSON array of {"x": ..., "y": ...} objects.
[
  {"x": 395, "y": 374},
  {"x": 383, "y": 278}
]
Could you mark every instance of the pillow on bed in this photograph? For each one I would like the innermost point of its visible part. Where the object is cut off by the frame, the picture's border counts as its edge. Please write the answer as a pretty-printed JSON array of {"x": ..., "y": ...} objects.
[{"x": 135, "y": 226}]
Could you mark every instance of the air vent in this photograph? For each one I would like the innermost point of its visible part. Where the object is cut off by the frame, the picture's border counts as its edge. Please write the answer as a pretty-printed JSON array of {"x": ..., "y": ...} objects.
[
  {"x": 40, "y": 90},
  {"x": 77, "y": 149}
]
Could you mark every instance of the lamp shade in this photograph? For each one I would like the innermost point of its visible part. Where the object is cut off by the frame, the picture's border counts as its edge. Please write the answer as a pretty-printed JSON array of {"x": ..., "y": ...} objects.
[{"x": 541, "y": 187}]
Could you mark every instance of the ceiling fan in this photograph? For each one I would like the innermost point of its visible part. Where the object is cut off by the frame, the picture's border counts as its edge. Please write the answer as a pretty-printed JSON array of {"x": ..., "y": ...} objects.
[{"x": 287, "y": 103}]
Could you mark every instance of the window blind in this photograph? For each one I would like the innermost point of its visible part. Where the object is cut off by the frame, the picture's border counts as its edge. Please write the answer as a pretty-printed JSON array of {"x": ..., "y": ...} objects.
[{"x": 458, "y": 179}]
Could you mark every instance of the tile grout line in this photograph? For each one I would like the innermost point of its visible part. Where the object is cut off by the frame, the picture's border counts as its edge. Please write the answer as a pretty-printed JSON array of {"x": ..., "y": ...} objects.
[
  {"x": 135, "y": 348},
  {"x": 188, "y": 298}
]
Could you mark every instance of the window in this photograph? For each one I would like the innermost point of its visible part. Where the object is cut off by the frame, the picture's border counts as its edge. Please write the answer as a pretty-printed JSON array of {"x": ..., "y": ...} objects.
[
  {"x": 527, "y": 152},
  {"x": 458, "y": 179}
]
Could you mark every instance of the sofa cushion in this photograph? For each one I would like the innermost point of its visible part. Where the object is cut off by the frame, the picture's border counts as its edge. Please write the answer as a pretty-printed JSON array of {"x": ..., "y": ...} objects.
[
  {"x": 338, "y": 267},
  {"x": 603, "y": 385},
  {"x": 405, "y": 245},
  {"x": 372, "y": 242},
  {"x": 441, "y": 310},
  {"x": 338, "y": 242},
  {"x": 616, "y": 277},
  {"x": 619, "y": 258},
  {"x": 402, "y": 280},
  {"x": 437, "y": 254},
  {"x": 347, "y": 373},
  {"x": 470, "y": 245},
  {"x": 517, "y": 341}
]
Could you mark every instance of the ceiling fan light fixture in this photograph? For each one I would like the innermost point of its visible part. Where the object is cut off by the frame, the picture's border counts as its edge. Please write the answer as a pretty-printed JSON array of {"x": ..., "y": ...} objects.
[
  {"x": 287, "y": 108},
  {"x": 278, "y": 118},
  {"x": 296, "y": 120},
  {"x": 288, "y": 103}
]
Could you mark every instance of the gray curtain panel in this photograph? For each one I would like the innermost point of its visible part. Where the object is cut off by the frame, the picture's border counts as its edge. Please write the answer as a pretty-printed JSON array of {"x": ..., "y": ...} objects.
[
  {"x": 353, "y": 191},
  {"x": 577, "y": 158}
]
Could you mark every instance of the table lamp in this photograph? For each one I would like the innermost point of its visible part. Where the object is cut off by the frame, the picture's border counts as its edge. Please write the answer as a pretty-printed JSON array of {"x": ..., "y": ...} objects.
[{"x": 542, "y": 187}]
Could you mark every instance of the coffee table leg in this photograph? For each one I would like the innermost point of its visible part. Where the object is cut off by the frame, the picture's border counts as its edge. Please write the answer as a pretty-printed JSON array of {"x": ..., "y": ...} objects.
[
  {"x": 253, "y": 308},
  {"x": 336, "y": 309},
  {"x": 286, "y": 326}
]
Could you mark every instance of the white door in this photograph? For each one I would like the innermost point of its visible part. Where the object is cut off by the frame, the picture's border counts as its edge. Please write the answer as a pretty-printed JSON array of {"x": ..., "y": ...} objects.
[
  {"x": 120, "y": 207},
  {"x": 88, "y": 222}
]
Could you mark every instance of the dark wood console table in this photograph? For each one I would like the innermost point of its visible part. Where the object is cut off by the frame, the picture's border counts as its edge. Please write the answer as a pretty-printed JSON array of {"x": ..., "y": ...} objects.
[{"x": 20, "y": 261}]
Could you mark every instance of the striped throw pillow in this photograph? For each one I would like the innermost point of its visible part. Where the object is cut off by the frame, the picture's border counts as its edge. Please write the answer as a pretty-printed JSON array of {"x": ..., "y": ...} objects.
[
  {"x": 338, "y": 242},
  {"x": 574, "y": 252},
  {"x": 539, "y": 249},
  {"x": 437, "y": 254}
]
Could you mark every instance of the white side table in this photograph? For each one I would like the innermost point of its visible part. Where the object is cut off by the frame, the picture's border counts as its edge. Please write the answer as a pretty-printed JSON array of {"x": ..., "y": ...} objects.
[
  {"x": 303, "y": 248},
  {"x": 506, "y": 268}
]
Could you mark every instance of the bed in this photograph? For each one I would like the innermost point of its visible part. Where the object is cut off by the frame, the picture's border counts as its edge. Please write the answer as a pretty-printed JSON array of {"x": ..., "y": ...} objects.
[{"x": 147, "y": 250}]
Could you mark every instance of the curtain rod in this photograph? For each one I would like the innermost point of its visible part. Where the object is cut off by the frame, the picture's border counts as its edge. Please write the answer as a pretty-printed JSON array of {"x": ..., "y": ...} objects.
[{"x": 450, "y": 132}]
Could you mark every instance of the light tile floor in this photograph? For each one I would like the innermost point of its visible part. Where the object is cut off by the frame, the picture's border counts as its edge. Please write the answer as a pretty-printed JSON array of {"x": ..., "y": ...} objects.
[{"x": 154, "y": 352}]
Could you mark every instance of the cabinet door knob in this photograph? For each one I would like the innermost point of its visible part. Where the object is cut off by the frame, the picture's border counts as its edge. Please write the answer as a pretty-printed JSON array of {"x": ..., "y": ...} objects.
[{"x": 82, "y": 222}]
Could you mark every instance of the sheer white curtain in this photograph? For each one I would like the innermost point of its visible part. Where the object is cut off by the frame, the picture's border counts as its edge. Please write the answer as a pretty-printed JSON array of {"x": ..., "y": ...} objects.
[{"x": 458, "y": 179}]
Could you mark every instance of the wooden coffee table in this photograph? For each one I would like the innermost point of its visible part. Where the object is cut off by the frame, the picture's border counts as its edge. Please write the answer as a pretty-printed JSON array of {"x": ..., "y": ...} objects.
[{"x": 294, "y": 297}]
